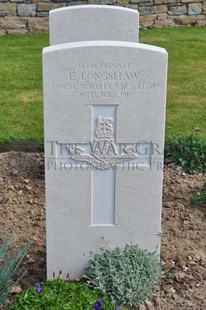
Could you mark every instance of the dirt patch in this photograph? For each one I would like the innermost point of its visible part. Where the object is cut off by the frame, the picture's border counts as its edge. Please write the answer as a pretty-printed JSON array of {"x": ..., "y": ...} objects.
[{"x": 183, "y": 250}]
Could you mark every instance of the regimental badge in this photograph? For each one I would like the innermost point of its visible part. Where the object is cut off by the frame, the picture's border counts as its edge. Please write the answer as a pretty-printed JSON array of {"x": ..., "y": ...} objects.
[{"x": 104, "y": 154}]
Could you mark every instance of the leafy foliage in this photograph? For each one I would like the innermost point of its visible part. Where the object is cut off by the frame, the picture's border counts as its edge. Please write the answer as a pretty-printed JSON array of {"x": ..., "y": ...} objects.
[
  {"x": 200, "y": 199},
  {"x": 60, "y": 295},
  {"x": 188, "y": 153},
  {"x": 9, "y": 265},
  {"x": 127, "y": 276}
]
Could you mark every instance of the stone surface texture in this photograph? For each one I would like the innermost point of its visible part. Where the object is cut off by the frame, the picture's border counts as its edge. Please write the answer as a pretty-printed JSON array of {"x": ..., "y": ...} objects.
[
  {"x": 26, "y": 9},
  {"x": 195, "y": 8},
  {"x": 84, "y": 82},
  {"x": 172, "y": 9}
]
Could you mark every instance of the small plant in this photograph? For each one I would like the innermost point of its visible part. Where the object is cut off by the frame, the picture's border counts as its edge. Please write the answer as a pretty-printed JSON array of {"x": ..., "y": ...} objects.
[
  {"x": 127, "y": 276},
  {"x": 200, "y": 199},
  {"x": 10, "y": 270},
  {"x": 60, "y": 295},
  {"x": 188, "y": 153}
]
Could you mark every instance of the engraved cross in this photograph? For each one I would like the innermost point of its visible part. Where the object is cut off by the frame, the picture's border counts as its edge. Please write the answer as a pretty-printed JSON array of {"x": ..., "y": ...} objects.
[{"x": 102, "y": 157}]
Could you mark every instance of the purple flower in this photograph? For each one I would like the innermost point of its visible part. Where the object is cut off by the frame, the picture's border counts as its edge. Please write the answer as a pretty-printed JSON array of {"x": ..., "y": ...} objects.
[
  {"x": 99, "y": 303},
  {"x": 117, "y": 308},
  {"x": 38, "y": 288}
]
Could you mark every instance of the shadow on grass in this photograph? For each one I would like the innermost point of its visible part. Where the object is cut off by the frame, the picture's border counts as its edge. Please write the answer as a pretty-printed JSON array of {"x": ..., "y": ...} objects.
[{"x": 22, "y": 145}]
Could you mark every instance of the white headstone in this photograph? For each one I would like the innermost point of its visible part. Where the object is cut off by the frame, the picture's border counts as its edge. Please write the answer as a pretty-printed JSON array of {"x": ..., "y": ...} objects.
[
  {"x": 93, "y": 22},
  {"x": 104, "y": 112}
]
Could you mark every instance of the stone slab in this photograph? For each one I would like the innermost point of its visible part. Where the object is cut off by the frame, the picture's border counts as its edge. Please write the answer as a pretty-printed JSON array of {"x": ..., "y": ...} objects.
[
  {"x": 115, "y": 91},
  {"x": 26, "y": 10},
  {"x": 93, "y": 22},
  {"x": 36, "y": 25},
  {"x": 194, "y": 8},
  {"x": 7, "y": 7}
]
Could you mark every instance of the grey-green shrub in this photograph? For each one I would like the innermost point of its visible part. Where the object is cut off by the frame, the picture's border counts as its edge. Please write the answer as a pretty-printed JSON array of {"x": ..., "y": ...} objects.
[
  {"x": 9, "y": 265},
  {"x": 127, "y": 276}
]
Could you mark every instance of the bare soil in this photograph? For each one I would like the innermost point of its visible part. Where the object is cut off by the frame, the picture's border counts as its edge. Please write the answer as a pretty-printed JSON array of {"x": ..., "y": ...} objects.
[{"x": 183, "y": 249}]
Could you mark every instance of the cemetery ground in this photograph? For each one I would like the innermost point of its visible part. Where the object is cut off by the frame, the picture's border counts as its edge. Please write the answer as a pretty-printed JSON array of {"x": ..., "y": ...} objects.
[{"x": 183, "y": 248}]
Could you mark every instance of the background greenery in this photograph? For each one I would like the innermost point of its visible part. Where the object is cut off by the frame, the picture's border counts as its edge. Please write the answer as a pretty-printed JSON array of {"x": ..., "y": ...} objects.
[
  {"x": 186, "y": 77},
  {"x": 21, "y": 108}
]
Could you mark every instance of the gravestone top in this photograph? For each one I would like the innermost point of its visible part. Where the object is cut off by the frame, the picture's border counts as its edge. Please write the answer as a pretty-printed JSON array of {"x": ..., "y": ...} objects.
[{"x": 93, "y": 22}]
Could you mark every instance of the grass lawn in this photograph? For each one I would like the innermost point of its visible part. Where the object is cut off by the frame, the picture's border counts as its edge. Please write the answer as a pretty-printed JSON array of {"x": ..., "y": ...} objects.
[
  {"x": 186, "y": 95},
  {"x": 21, "y": 110}
]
